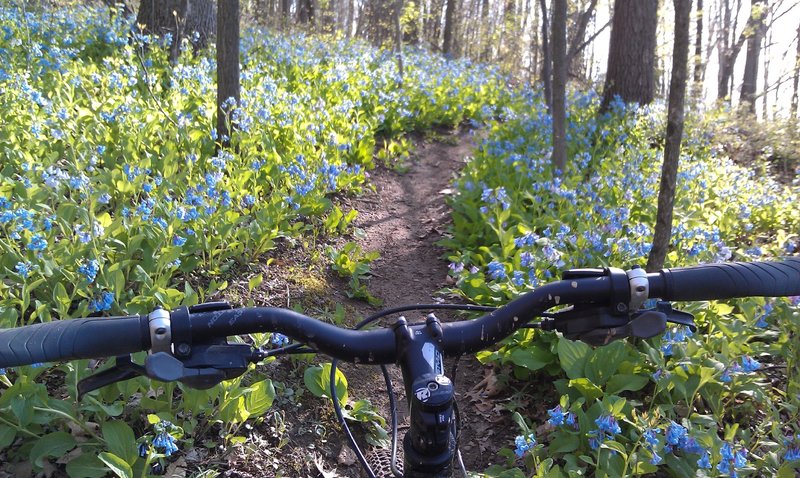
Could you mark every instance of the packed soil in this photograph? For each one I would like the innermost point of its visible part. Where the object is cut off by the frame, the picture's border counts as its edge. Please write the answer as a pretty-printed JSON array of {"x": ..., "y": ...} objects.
[{"x": 402, "y": 215}]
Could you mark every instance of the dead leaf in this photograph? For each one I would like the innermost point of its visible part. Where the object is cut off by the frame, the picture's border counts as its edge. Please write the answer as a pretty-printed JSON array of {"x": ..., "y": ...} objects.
[
  {"x": 346, "y": 456},
  {"x": 176, "y": 469}
]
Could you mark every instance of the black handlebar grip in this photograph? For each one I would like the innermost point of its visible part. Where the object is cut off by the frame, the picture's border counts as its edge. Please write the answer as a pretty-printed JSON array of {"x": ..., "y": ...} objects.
[
  {"x": 73, "y": 339},
  {"x": 731, "y": 279}
]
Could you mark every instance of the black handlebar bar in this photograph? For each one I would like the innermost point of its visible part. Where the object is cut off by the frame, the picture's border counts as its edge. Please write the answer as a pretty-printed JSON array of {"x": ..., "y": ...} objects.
[
  {"x": 104, "y": 337},
  {"x": 73, "y": 339}
]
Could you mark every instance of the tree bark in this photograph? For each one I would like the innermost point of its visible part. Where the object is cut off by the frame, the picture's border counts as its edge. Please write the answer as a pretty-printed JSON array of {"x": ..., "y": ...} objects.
[
  {"x": 632, "y": 53},
  {"x": 227, "y": 67},
  {"x": 398, "y": 39},
  {"x": 546, "y": 62},
  {"x": 559, "y": 111},
  {"x": 576, "y": 44},
  {"x": 672, "y": 147},
  {"x": 449, "y": 26},
  {"x": 755, "y": 33},
  {"x": 178, "y": 18},
  {"x": 796, "y": 79},
  {"x": 697, "y": 79}
]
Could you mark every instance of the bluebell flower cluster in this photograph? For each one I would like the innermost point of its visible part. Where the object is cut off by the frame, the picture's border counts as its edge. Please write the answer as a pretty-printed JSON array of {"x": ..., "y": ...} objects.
[
  {"x": 524, "y": 443},
  {"x": 607, "y": 427},
  {"x": 89, "y": 269},
  {"x": 559, "y": 417},
  {"x": 792, "y": 443},
  {"x": 746, "y": 365},
  {"x": 678, "y": 439},
  {"x": 102, "y": 303},
  {"x": 278, "y": 339},
  {"x": 732, "y": 458},
  {"x": 674, "y": 336}
]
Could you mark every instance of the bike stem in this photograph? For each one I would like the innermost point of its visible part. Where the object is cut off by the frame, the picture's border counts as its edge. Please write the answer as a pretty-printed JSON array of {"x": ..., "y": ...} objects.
[{"x": 430, "y": 444}]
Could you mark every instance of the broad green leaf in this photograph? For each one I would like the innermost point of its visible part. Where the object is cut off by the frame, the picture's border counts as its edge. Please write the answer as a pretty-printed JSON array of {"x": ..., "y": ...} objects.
[
  {"x": 7, "y": 435},
  {"x": 628, "y": 382},
  {"x": 586, "y": 388},
  {"x": 117, "y": 465},
  {"x": 260, "y": 397},
  {"x": 317, "y": 380},
  {"x": 52, "y": 444},
  {"x": 573, "y": 354},
  {"x": 120, "y": 440},
  {"x": 86, "y": 466}
]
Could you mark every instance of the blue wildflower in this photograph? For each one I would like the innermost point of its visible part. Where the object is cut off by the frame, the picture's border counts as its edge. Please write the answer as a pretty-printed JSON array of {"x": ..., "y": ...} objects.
[
  {"x": 607, "y": 427},
  {"x": 37, "y": 243},
  {"x": 279, "y": 339},
  {"x": 524, "y": 443},
  {"x": 102, "y": 303},
  {"x": 496, "y": 270},
  {"x": 24, "y": 268},
  {"x": 750, "y": 364},
  {"x": 178, "y": 240},
  {"x": 90, "y": 270},
  {"x": 704, "y": 462},
  {"x": 731, "y": 459}
]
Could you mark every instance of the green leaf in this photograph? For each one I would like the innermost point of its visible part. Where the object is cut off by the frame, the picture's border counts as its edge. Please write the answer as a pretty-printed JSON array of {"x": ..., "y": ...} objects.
[
  {"x": 564, "y": 443},
  {"x": 52, "y": 444},
  {"x": 532, "y": 357},
  {"x": 254, "y": 282},
  {"x": 628, "y": 382},
  {"x": 7, "y": 435},
  {"x": 260, "y": 397},
  {"x": 573, "y": 355},
  {"x": 317, "y": 380},
  {"x": 586, "y": 388},
  {"x": 117, "y": 465},
  {"x": 86, "y": 466},
  {"x": 120, "y": 440}
]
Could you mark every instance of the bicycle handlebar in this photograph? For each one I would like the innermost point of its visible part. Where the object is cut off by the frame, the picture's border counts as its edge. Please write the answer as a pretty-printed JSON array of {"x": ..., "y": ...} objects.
[
  {"x": 73, "y": 339},
  {"x": 105, "y": 337}
]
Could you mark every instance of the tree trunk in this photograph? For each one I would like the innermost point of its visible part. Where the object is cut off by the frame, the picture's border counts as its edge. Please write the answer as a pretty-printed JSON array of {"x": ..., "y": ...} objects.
[
  {"x": 672, "y": 147},
  {"x": 286, "y": 14},
  {"x": 398, "y": 40},
  {"x": 758, "y": 11},
  {"x": 559, "y": 111},
  {"x": 796, "y": 79},
  {"x": 577, "y": 44},
  {"x": 486, "y": 36},
  {"x": 178, "y": 18},
  {"x": 227, "y": 68},
  {"x": 449, "y": 26},
  {"x": 697, "y": 79},
  {"x": 632, "y": 53},
  {"x": 546, "y": 62}
]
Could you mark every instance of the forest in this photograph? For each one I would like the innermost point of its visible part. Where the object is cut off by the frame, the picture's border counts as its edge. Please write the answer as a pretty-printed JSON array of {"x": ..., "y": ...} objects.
[{"x": 340, "y": 157}]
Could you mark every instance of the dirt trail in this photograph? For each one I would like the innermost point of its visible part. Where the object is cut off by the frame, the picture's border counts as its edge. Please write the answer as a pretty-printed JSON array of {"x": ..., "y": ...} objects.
[{"x": 403, "y": 219}]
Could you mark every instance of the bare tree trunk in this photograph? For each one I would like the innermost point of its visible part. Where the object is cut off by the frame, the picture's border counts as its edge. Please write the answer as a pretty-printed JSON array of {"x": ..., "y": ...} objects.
[
  {"x": 576, "y": 44},
  {"x": 632, "y": 53},
  {"x": 487, "y": 32},
  {"x": 227, "y": 67},
  {"x": 796, "y": 79},
  {"x": 559, "y": 111},
  {"x": 758, "y": 11},
  {"x": 398, "y": 12},
  {"x": 546, "y": 63},
  {"x": 764, "y": 96},
  {"x": 534, "y": 43},
  {"x": 697, "y": 79},
  {"x": 176, "y": 18},
  {"x": 449, "y": 26},
  {"x": 672, "y": 147},
  {"x": 286, "y": 14}
]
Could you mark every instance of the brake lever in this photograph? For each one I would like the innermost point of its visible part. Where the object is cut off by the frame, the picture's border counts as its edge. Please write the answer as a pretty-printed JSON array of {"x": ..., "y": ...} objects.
[
  {"x": 205, "y": 366},
  {"x": 599, "y": 326},
  {"x": 123, "y": 369}
]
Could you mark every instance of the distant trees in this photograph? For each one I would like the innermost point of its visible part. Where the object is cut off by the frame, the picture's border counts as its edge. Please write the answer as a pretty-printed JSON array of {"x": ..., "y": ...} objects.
[{"x": 631, "y": 55}]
